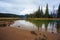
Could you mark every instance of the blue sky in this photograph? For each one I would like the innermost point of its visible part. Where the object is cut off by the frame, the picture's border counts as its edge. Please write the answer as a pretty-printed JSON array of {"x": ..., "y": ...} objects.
[{"x": 22, "y": 7}]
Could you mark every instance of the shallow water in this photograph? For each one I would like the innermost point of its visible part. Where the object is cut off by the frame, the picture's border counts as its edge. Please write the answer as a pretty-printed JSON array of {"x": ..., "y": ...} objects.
[{"x": 52, "y": 26}]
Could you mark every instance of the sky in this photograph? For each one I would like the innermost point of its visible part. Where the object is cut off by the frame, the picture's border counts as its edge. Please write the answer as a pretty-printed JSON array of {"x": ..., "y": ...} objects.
[{"x": 22, "y": 7}]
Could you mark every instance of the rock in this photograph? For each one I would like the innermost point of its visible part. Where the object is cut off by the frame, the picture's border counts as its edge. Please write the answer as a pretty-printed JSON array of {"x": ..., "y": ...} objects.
[
  {"x": 40, "y": 33},
  {"x": 18, "y": 26},
  {"x": 44, "y": 36},
  {"x": 33, "y": 32},
  {"x": 38, "y": 38},
  {"x": 43, "y": 39}
]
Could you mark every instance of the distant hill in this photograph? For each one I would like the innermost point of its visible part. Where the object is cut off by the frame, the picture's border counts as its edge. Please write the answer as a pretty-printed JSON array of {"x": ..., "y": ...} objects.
[{"x": 9, "y": 15}]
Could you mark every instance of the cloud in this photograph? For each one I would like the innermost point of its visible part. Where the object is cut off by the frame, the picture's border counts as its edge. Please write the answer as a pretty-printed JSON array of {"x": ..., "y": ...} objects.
[
  {"x": 4, "y": 4},
  {"x": 27, "y": 11},
  {"x": 22, "y": 7},
  {"x": 16, "y": 8}
]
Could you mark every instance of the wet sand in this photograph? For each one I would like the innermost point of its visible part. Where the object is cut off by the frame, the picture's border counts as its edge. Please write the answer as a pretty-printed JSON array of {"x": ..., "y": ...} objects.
[{"x": 11, "y": 33}]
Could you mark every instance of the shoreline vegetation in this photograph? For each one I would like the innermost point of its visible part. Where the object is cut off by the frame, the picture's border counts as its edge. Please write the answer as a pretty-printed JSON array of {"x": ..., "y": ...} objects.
[
  {"x": 9, "y": 18},
  {"x": 30, "y": 18},
  {"x": 12, "y": 33},
  {"x": 44, "y": 18}
]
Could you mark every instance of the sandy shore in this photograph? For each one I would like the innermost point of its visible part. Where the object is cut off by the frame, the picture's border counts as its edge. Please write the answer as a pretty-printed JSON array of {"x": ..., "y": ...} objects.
[{"x": 11, "y": 33}]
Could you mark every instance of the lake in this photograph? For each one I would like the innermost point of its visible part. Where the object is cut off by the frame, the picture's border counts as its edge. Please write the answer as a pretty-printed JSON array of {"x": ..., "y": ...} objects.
[{"x": 52, "y": 26}]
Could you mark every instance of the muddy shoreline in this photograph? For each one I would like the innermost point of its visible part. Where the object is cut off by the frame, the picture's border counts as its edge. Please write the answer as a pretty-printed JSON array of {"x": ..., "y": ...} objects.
[{"x": 11, "y": 33}]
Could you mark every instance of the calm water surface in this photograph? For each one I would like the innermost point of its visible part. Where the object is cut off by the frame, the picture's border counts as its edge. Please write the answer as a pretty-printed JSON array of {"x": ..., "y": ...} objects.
[{"x": 52, "y": 26}]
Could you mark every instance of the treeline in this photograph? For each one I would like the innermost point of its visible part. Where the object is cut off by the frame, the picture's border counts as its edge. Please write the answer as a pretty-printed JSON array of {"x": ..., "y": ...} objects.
[
  {"x": 9, "y": 15},
  {"x": 40, "y": 14}
]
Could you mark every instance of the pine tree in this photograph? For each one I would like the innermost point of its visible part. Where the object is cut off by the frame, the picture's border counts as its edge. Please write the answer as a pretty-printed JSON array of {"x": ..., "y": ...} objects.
[
  {"x": 41, "y": 12},
  {"x": 46, "y": 12},
  {"x": 37, "y": 13},
  {"x": 58, "y": 15}
]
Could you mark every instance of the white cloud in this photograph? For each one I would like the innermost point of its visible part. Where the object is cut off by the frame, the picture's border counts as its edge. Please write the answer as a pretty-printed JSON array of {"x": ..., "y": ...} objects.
[
  {"x": 4, "y": 4},
  {"x": 23, "y": 7},
  {"x": 17, "y": 9},
  {"x": 29, "y": 9}
]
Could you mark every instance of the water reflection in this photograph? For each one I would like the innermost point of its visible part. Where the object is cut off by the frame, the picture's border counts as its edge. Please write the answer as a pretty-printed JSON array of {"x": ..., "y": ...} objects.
[
  {"x": 24, "y": 24},
  {"x": 43, "y": 27},
  {"x": 52, "y": 27},
  {"x": 49, "y": 26}
]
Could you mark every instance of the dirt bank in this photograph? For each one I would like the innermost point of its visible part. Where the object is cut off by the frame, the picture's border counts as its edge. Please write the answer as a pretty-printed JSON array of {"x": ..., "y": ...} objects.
[{"x": 11, "y": 33}]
